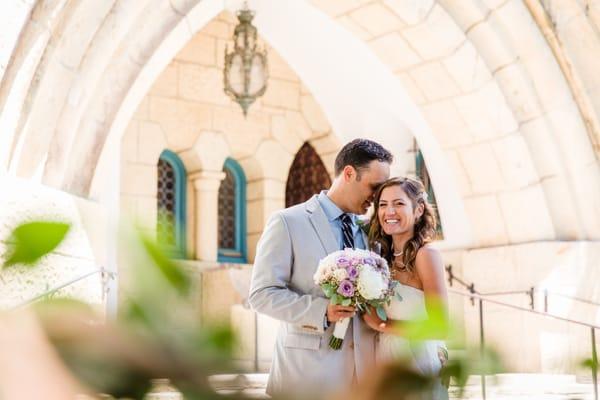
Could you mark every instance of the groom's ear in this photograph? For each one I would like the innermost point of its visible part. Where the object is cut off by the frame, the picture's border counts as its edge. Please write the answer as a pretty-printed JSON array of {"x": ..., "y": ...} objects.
[{"x": 348, "y": 172}]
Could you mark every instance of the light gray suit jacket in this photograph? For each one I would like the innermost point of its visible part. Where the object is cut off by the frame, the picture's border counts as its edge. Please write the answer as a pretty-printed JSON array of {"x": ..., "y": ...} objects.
[{"x": 282, "y": 286}]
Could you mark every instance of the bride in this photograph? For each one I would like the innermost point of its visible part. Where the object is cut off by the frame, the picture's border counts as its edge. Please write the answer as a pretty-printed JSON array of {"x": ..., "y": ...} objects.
[{"x": 403, "y": 225}]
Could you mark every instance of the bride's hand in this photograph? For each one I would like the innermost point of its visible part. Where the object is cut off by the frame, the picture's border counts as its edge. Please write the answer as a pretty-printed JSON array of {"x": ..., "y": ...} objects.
[{"x": 373, "y": 321}]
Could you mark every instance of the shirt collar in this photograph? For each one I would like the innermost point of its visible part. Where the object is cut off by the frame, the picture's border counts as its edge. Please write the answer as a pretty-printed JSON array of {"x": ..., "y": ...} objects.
[{"x": 332, "y": 211}]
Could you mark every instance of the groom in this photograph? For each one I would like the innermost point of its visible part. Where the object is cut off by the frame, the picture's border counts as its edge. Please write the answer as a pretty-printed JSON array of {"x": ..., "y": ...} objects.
[{"x": 282, "y": 286}]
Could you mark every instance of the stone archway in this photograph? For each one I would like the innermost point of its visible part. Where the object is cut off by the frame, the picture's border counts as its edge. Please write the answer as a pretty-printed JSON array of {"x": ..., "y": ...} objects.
[
  {"x": 380, "y": 109},
  {"x": 115, "y": 66}
]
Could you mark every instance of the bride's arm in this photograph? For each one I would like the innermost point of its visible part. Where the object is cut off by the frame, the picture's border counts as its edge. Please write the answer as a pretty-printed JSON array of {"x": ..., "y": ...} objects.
[{"x": 430, "y": 270}]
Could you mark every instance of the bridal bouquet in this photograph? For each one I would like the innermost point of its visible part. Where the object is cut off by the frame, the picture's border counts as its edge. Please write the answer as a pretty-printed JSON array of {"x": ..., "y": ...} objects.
[{"x": 354, "y": 277}]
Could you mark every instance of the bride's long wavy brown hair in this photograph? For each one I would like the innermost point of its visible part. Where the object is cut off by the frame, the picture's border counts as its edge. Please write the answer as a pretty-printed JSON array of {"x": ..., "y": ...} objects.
[{"x": 425, "y": 225}]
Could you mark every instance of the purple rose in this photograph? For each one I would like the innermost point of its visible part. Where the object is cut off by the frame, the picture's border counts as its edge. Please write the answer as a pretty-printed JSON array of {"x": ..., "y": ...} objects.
[
  {"x": 370, "y": 261},
  {"x": 346, "y": 288},
  {"x": 352, "y": 272},
  {"x": 342, "y": 261}
]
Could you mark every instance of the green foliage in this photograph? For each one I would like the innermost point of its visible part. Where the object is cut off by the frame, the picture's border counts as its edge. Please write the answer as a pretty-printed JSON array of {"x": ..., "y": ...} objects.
[
  {"x": 157, "y": 333},
  {"x": 174, "y": 275},
  {"x": 335, "y": 298},
  {"x": 328, "y": 289},
  {"x": 471, "y": 362},
  {"x": 434, "y": 325},
  {"x": 31, "y": 241},
  {"x": 590, "y": 363},
  {"x": 381, "y": 313}
]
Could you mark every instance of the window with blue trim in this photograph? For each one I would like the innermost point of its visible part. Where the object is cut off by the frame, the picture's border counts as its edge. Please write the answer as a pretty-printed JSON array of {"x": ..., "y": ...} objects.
[
  {"x": 232, "y": 214},
  {"x": 423, "y": 175},
  {"x": 171, "y": 204}
]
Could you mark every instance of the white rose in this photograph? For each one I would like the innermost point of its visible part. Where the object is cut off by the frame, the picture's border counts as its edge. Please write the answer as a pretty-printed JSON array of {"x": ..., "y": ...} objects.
[
  {"x": 322, "y": 272},
  {"x": 340, "y": 274},
  {"x": 371, "y": 283},
  {"x": 325, "y": 269}
]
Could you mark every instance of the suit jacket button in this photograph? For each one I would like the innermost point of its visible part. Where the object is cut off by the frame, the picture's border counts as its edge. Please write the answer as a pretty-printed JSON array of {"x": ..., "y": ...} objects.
[{"x": 352, "y": 345}]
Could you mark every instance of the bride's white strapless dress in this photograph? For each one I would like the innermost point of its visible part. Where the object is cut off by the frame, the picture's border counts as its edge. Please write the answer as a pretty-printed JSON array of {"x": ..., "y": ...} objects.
[{"x": 422, "y": 356}]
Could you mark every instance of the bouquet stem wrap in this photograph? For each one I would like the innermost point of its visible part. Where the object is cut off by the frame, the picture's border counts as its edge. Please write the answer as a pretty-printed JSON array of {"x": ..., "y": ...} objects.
[{"x": 339, "y": 331}]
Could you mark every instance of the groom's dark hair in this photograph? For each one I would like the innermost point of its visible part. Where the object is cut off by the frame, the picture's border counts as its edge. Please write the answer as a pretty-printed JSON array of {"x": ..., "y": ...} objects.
[{"x": 359, "y": 153}]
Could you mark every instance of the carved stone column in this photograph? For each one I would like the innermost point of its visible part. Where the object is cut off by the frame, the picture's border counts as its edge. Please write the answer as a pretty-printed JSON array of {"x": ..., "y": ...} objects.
[{"x": 206, "y": 213}]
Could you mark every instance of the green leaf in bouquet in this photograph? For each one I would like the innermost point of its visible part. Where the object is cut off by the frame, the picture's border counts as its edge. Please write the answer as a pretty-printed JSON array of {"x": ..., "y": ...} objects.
[
  {"x": 328, "y": 289},
  {"x": 346, "y": 302},
  {"x": 336, "y": 299},
  {"x": 31, "y": 241},
  {"x": 381, "y": 313}
]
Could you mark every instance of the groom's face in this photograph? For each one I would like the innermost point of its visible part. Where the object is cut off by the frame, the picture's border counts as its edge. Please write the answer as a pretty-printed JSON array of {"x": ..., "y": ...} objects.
[{"x": 363, "y": 184}]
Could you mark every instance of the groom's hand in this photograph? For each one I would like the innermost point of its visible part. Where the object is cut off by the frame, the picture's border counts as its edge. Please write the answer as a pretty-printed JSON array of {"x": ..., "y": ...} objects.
[{"x": 336, "y": 312}]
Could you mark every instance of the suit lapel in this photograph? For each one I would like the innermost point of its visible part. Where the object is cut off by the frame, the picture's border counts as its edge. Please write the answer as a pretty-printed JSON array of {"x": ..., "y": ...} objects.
[{"x": 321, "y": 225}]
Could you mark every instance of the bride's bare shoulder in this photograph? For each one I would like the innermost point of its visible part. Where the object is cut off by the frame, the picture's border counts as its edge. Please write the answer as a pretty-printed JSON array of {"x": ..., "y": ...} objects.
[
  {"x": 428, "y": 252},
  {"x": 428, "y": 258}
]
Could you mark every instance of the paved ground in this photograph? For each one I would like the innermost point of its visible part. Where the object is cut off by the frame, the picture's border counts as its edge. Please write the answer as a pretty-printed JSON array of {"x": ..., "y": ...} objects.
[
  {"x": 527, "y": 386},
  {"x": 500, "y": 387}
]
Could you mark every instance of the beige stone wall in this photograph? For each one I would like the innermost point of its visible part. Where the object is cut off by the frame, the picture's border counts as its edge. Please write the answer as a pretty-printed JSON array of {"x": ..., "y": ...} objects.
[
  {"x": 501, "y": 104},
  {"x": 187, "y": 112}
]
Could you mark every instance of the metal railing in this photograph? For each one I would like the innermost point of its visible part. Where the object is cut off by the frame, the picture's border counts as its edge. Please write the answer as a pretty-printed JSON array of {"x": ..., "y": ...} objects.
[
  {"x": 482, "y": 299},
  {"x": 106, "y": 275},
  {"x": 473, "y": 295},
  {"x": 530, "y": 292}
]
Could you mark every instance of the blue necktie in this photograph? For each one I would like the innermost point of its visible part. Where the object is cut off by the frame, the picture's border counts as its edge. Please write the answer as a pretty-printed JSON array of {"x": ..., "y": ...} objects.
[{"x": 347, "y": 235}]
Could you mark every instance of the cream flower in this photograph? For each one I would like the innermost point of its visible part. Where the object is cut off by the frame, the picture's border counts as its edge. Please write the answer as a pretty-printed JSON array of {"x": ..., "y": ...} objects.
[{"x": 372, "y": 284}]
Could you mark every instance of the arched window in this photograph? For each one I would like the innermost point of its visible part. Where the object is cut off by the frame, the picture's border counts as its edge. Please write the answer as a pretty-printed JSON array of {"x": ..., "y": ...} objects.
[
  {"x": 423, "y": 175},
  {"x": 232, "y": 214},
  {"x": 307, "y": 176},
  {"x": 171, "y": 204}
]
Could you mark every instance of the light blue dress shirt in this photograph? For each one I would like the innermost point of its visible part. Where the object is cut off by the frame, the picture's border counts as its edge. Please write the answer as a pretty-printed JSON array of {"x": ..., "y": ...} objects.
[{"x": 333, "y": 212}]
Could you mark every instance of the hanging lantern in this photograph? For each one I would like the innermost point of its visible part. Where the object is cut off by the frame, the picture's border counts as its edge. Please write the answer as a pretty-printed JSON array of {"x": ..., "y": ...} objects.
[{"x": 245, "y": 75}]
